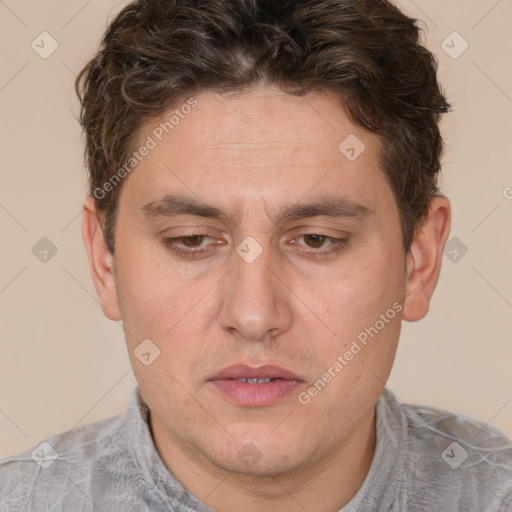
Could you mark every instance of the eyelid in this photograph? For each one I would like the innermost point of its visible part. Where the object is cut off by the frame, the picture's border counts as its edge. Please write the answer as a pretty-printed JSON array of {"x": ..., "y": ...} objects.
[
  {"x": 326, "y": 237},
  {"x": 336, "y": 245}
]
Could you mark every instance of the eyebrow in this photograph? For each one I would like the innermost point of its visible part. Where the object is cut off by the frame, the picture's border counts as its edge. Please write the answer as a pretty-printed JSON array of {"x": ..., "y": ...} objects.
[{"x": 328, "y": 206}]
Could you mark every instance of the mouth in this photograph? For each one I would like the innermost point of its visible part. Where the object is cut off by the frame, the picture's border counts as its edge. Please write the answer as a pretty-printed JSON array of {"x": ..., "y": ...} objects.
[
  {"x": 256, "y": 381},
  {"x": 263, "y": 386}
]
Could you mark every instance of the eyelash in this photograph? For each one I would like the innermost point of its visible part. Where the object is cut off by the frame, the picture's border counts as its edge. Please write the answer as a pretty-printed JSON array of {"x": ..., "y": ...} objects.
[{"x": 336, "y": 245}]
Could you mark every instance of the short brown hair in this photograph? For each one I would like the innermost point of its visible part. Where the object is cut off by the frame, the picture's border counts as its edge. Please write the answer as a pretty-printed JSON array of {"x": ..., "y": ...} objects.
[{"x": 156, "y": 53}]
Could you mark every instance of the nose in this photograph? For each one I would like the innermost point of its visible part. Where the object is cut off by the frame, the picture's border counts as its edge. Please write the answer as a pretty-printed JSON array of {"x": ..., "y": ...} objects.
[{"x": 255, "y": 301}]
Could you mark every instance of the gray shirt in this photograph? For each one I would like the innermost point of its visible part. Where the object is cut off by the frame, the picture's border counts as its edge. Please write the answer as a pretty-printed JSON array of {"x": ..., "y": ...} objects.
[{"x": 425, "y": 459}]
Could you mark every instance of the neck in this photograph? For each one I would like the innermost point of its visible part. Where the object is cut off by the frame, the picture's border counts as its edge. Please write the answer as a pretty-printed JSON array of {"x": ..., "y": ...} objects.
[{"x": 324, "y": 485}]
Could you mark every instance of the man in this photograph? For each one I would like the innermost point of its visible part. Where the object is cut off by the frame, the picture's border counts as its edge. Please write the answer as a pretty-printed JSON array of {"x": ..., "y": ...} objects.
[{"x": 263, "y": 214}]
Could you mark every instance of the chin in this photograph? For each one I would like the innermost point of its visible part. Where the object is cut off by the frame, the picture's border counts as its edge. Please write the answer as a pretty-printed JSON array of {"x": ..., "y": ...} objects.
[
  {"x": 263, "y": 458},
  {"x": 267, "y": 466}
]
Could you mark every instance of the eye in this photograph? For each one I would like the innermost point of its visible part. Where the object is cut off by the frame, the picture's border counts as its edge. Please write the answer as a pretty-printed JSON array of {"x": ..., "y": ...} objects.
[
  {"x": 318, "y": 244},
  {"x": 315, "y": 241},
  {"x": 197, "y": 245},
  {"x": 193, "y": 240},
  {"x": 191, "y": 246}
]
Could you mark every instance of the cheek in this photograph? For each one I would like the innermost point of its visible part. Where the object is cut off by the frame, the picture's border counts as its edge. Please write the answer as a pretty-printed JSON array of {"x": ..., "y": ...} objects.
[
  {"x": 367, "y": 287},
  {"x": 146, "y": 273},
  {"x": 147, "y": 298},
  {"x": 362, "y": 310},
  {"x": 167, "y": 309}
]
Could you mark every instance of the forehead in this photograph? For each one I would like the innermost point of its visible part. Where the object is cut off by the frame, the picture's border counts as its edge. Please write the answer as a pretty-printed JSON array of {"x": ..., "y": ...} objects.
[
  {"x": 258, "y": 144},
  {"x": 260, "y": 116}
]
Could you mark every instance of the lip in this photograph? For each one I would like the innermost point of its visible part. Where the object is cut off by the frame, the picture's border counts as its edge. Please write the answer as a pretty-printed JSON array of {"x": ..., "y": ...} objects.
[
  {"x": 242, "y": 371},
  {"x": 255, "y": 395}
]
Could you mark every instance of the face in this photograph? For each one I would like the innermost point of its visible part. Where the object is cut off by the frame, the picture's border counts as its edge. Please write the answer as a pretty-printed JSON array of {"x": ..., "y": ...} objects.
[{"x": 249, "y": 245}]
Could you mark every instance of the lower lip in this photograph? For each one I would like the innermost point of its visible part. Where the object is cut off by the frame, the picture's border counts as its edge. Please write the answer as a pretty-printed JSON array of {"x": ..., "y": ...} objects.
[{"x": 255, "y": 395}]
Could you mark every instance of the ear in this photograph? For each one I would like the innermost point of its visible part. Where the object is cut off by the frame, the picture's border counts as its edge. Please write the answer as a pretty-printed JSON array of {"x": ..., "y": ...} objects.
[
  {"x": 423, "y": 261},
  {"x": 100, "y": 260}
]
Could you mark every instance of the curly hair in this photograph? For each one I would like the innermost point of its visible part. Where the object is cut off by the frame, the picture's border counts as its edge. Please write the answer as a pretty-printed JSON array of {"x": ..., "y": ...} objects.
[{"x": 156, "y": 53}]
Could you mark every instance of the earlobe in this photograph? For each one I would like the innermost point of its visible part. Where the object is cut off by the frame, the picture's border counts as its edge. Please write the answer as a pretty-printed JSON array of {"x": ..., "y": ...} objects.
[
  {"x": 101, "y": 261},
  {"x": 424, "y": 259}
]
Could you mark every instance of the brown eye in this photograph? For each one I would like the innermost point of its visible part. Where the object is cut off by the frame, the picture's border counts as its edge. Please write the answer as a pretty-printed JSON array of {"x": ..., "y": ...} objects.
[
  {"x": 318, "y": 245},
  {"x": 192, "y": 247},
  {"x": 192, "y": 241},
  {"x": 314, "y": 241}
]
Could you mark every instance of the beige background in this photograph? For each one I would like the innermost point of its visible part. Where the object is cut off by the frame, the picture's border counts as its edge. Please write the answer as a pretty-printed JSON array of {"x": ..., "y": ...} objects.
[{"x": 62, "y": 363}]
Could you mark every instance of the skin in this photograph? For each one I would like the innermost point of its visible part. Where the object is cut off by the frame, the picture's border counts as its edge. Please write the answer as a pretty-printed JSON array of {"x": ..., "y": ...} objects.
[{"x": 251, "y": 155}]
